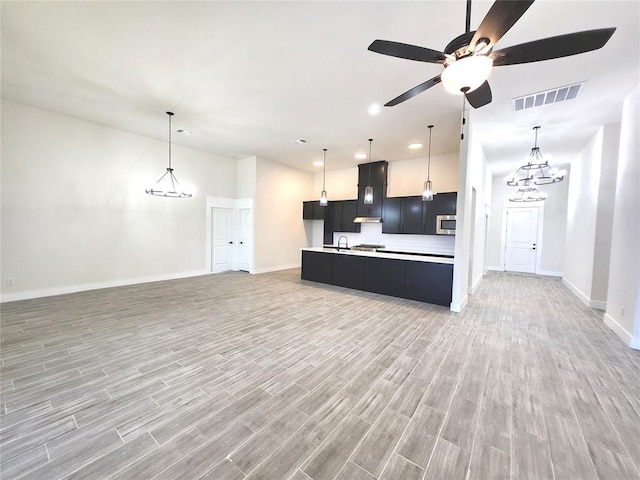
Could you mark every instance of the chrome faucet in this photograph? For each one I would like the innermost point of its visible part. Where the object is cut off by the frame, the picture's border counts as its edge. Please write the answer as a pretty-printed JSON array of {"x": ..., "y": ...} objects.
[{"x": 346, "y": 241}]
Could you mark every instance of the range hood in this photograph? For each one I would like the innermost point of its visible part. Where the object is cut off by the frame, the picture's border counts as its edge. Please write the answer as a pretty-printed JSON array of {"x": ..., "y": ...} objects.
[{"x": 367, "y": 220}]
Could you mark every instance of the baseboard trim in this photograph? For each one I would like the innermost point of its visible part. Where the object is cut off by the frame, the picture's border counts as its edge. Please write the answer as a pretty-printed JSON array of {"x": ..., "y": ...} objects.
[
  {"x": 619, "y": 330},
  {"x": 50, "y": 292},
  {"x": 458, "y": 307},
  {"x": 550, "y": 273},
  {"x": 276, "y": 268},
  {"x": 475, "y": 285},
  {"x": 495, "y": 269},
  {"x": 576, "y": 291},
  {"x": 598, "y": 304}
]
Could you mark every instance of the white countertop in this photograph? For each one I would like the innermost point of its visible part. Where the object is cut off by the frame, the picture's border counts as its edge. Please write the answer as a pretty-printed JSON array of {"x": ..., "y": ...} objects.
[{"x": 395, "y": 256}]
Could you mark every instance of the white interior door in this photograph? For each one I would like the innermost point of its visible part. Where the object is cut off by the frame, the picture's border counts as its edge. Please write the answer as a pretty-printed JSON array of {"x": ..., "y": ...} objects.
[
  {"x": 221, "y": 239},
  {"x": 245, "y": 234},
  {"x": 521, "y": 251}
]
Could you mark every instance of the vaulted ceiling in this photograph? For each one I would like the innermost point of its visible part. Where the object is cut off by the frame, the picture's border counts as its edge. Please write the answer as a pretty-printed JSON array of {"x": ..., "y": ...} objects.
[{"x": 249, "y": 78}]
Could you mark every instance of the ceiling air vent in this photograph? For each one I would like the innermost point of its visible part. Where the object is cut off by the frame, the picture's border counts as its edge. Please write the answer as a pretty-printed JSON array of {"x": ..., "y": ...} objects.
[{"x": 541, "y": 99}]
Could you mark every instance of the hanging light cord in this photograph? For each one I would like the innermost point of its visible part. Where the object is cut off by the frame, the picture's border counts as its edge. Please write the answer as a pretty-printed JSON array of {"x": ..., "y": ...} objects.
[
  {"x": 429, "y": 162},
  {"x": 324, "y": 167},
  {"x": 170, "y": 115},
  {"x": 370, "y": 140}
]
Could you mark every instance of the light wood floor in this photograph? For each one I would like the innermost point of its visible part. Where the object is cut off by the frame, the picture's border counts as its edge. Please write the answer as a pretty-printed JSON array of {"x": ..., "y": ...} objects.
[{"x": 233, "y": 376}]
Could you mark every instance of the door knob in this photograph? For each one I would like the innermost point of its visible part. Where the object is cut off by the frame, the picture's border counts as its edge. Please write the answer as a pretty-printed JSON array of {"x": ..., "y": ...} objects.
[
  {"x": 241, "y": 243},
  {"x": 230, "y": 243}
]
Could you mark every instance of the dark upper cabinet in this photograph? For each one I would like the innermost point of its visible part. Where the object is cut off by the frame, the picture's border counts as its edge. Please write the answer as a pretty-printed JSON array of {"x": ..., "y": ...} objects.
[
  {"x": 312, "y": 210},
  {"x": 442, "y": 204},
  {"x": 340, "y": 218},
  {"x": 403, "y": 215},
  {"x": 391, "y": 215}
]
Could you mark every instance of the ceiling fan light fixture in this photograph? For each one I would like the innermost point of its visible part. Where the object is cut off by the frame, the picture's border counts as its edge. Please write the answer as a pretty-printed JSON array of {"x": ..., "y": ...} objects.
[{"x": 466, "y": 74}]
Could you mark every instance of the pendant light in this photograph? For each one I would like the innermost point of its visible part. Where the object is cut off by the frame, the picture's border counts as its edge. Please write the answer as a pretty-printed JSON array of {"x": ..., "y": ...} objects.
[
  {"x": 536, "y": 171},
  {"x": 167, "y": 185},
  {"x": 323, "y": 194},
  {"x": 368, "y": 191},
  {"x": 427, "y": 192}
]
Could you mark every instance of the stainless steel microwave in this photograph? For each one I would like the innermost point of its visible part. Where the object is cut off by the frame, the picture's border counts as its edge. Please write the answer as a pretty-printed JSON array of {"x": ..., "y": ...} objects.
[{"x": 445, "y": 224}]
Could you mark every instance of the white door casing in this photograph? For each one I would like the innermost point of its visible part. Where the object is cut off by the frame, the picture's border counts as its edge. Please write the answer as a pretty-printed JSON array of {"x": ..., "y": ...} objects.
[
  {"x": 521, "y": 246},
  {"x": 245, "y": 236}
]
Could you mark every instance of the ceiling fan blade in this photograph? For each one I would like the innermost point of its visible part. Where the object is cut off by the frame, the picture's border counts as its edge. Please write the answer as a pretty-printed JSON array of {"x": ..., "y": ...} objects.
[
  {"x": 553, "y": 47},
  {"x": 414, "y": 91},
  {"x": 481, "y": 96},
  {"x": 404, "y": 50},
  {"x": 502, "y": 15}
]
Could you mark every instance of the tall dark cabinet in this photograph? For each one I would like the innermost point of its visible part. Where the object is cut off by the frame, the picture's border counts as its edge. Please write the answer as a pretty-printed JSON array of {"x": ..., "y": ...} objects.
[{"x": 374, "y": 174}]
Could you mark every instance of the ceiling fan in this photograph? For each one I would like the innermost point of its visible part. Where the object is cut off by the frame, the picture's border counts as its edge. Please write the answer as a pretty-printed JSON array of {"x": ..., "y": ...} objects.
[{"x": 468, "y": 58}]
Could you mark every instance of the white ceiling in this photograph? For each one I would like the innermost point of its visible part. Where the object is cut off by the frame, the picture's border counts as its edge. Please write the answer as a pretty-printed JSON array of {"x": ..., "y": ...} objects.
[{"x": 248, "y": 78}]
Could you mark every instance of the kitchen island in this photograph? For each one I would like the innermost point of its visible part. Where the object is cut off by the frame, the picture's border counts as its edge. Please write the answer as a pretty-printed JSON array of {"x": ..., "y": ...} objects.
[{"x": 425, "y": 278}]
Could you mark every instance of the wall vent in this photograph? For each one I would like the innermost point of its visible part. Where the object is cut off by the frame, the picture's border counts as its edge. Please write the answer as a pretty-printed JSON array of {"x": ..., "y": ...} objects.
[{"x": 548, "y": 97}]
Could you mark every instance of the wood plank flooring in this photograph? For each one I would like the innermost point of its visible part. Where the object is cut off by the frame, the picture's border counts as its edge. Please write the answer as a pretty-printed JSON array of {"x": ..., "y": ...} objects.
[{"x": 233, "y": 376}]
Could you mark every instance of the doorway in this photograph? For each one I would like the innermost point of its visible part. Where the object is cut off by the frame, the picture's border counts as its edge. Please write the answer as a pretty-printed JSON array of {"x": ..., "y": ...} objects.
[
  {"x": 522, "y": 248},
  {"x": 229, "y": 234}
]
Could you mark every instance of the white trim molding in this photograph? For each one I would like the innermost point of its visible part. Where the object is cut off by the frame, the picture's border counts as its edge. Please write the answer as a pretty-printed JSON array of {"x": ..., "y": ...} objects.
[
  {"x": 50, "y": 292},
  {"x": 633, "y": 342},
  {"x": 458, "y": 307},
  {"x": 583, "y": 298},
  {"x": 276, "y": 268}
]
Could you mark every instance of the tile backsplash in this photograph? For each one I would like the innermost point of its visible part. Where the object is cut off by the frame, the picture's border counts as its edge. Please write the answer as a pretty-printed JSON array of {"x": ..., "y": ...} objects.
[{"x": 371, "y": 233}]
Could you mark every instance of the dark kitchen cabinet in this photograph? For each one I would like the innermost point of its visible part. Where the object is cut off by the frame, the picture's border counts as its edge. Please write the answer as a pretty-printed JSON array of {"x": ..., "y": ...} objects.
[
  {"x": 341, "y": 215},
  {"x": 312, "y": 210},
  {"x": 317, "y": 266},
  {"x": 403, "y": 215},
  {"x": 442, "y": 204},
  {"x": 428, "y": 282},
  {"x": 385, "y": 276},
  {"x": 348, "y": 271}
]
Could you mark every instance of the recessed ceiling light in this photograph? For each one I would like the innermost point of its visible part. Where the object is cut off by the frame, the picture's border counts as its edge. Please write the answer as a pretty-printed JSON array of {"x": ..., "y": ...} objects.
[
  {"x": 183, "y": 131},
  {"x": 300, "y": 141},
  {"x": 317, "y": 163},
  {"x": 374, "y": 109},
  {"x": 415, "y": 146},
  {"x": 361, "y": 156}
]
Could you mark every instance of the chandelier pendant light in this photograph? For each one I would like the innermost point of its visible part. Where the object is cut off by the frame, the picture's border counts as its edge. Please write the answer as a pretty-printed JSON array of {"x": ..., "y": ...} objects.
[
  {"x": 368, "y": 191},
  {"x": 427, "y": 191},
  {"x": 528, "y": 193},
  {"x": 323, "y": 194},
  {"x": 167, "y": 185},
  {"x": 536, "y": 171}
]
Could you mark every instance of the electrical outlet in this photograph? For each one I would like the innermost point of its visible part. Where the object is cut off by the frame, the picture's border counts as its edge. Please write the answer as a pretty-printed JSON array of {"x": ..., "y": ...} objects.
[{"x": 9, "y": 281}]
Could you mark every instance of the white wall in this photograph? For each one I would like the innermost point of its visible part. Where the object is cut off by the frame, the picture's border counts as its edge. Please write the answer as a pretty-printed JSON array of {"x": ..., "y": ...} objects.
[
  {"x": 279, "y": 228},
  {"x": 74, "y": 213},
  {"x": 624, "y": 267},
  {"x": 604, "y": 221},
  {"x": 591, "y": 205},
  {"x": 405, "y": 178},
  {"x": 470, "y": 252}
]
